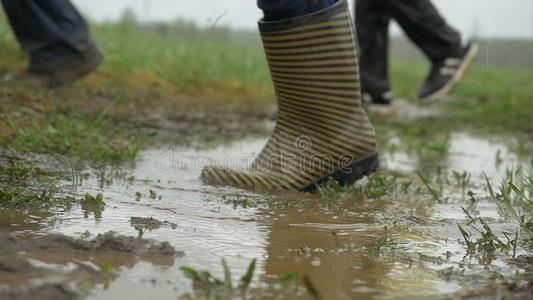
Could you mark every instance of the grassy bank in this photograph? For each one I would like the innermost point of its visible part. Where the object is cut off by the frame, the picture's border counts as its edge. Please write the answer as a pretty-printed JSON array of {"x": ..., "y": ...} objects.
[{"x": 153, "y": 69}]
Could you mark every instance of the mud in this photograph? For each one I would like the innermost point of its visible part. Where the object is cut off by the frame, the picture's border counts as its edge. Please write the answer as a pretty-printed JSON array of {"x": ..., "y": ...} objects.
[
  {"x": 23, "y": 278},
  {"x": 102, "y": 243},
  {"x": 56, "y": 266},
  {"x": 150, "y": 223},
  {"x": 395, "y": 241},
  {"x": 44, "y": 162},
  {"x": 181, "y": 126}
]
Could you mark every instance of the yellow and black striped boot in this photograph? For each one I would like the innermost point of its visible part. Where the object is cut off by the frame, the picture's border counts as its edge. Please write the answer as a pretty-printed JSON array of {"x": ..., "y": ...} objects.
[{"x": 322, "y": 130}]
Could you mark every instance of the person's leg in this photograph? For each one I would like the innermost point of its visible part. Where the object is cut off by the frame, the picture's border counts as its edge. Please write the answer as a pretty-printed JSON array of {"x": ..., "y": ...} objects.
[
  {"x": 322, "y": 130},
  {"x": 372, "y": 26},
  {"x": 441, "y": 43},
  {"x": 426, "y": 28},
  {"x": 52, "y": 32}
]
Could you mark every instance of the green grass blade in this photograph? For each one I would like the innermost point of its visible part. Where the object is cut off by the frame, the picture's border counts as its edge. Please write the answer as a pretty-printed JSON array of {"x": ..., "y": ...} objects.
[
  {"x": 286, "y": 280},
  {"x": 526, "y": 203},
  {"x": 190, "y": 273},
  {"x": 227, "y": 275},
  {"x": 431, "y": 190},
  {"x": 247, "y": 278}
]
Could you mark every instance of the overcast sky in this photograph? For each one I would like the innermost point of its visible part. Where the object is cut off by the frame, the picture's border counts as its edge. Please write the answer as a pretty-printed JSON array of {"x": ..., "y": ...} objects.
[{"x": 484, "y": 18}]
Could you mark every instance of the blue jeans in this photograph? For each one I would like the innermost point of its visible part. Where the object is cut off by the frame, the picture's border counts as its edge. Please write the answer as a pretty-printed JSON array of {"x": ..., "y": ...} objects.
[
  {"x": 50, "y": 31},
  {"x": 284, "y": 9}
]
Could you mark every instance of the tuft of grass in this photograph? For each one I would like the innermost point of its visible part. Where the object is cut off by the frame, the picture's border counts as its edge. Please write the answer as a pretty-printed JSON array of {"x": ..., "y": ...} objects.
[
  {"x": 210, "y": 287},
  {"x": 435, "y": 194},
  {"x": 514, "y": 198},
  {"x": 203, "y": 280},
  {"x": 384, "y": 240},
  {"x": 24, "y": 199},
  {"x": 26, "y": 187},
  {"x": 74, "y": 137},
  {"x": 376, "y": 186},
  {"x": 246, "y": 279},
  {"x": 485, "y": 246},
  {"x": 93, "y": 204},
  {"x": 462, "y": 179},
  {"x": 97, "y": 200}
]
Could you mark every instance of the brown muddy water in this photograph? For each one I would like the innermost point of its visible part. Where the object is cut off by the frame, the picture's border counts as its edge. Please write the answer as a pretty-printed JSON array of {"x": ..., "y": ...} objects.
[{"x": 399, "y": 245}]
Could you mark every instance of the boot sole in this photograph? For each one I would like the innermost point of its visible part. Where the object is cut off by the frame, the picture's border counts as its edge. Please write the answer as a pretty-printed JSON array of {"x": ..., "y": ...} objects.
[
  {"x": 447, "y": 88},
  {"x": 356, "y": 170}
]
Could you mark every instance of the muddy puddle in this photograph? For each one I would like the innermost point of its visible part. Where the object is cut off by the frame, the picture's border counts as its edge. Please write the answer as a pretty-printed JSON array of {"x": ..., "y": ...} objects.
[{"x": 399, "y": 245}]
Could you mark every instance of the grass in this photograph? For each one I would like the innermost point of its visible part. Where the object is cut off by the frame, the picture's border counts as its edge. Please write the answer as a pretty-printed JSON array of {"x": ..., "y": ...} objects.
[
  {"x": 207, "y": 282},
  {"x": 93, "y": 205},
  {"x": 180, "y": 64},
  {"x": 384, "y": 241},
  {"x": 488, "y": 98},
  {"x": 435, "y": 194},
  {"x": 73, "y": 137},
  {"x": 22, "y": 199},
  {"x": 207, "y": 286},
  {"x": 25, "y": 187},
  {"x": 515, "y": 199},
  {"x": 485, "y": 246},
  {"x": 378, "y": 185},
  {"x": 493, "y": 52},
  {"x": 151, "y": 69}
]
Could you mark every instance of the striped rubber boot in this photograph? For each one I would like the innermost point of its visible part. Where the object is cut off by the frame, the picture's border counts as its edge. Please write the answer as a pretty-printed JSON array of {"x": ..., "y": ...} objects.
[{"x": 322, "y": 130}]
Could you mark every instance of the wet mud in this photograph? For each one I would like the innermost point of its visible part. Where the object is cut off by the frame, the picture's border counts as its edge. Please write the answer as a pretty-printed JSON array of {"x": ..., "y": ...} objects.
[
  {"x": 150, "y": 223},
  {"x": 56, "y": 266},
  {"x": 388, "y": 237},
  {"x": 102, "y": 243}
]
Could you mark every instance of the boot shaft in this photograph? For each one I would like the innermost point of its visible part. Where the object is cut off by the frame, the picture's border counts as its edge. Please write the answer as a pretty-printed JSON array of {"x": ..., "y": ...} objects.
[{"x": 314, "y": 57}]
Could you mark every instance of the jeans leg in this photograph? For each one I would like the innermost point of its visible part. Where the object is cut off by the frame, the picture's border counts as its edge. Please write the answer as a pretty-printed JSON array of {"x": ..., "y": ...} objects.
[
  {"x": 372, "y": 23},
  {"x": 285, "y": 9},
  {"x": 426, "y": 28},
  {"x": 50, "y": 31}
]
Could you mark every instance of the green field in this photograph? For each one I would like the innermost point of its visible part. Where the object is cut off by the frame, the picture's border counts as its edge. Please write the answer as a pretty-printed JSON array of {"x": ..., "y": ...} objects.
[{"x": 180, "y": 65}]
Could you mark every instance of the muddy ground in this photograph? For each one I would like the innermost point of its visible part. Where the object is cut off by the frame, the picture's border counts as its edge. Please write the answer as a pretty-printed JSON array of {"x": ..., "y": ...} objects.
[
  {"x": 71, "y": 266},
  {"x": 393, "y": 235}
]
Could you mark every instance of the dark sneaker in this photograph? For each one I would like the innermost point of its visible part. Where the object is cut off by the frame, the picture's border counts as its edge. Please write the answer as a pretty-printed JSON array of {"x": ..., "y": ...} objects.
[
  {"x": 66, "y": 73},
  {"x": 445, "y": 75},
  {"x": 380, "y": 98}
]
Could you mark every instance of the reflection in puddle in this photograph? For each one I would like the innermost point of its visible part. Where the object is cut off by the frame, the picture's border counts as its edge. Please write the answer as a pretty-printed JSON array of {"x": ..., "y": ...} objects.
[
  {"x": 466, "y": 153},
  {"x": 335, "y": 247}
]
